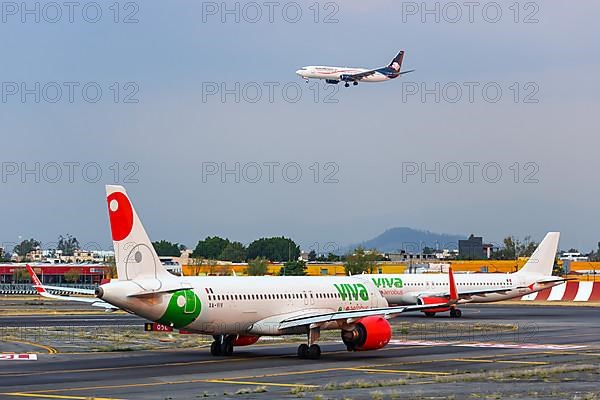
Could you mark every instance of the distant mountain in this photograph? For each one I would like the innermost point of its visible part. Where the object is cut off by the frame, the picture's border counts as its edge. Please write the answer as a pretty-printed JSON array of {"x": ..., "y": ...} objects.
[{"x": 411, "y": 240}]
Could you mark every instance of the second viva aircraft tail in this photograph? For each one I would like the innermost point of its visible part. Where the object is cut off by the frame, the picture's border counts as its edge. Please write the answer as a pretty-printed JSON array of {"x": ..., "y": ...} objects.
[{"x": 541, "y": 261}]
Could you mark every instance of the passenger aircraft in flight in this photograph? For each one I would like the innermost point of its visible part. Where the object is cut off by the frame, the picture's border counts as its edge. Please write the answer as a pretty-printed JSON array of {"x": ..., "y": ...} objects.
[
  {"x": 536, "y": 275},
  {"x": 236, "y": 311},
  {"x": 335, "y": 75}
]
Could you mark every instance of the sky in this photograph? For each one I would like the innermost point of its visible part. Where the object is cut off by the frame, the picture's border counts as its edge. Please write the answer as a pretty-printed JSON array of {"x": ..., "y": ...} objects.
[{"x": 195, "y": 108}]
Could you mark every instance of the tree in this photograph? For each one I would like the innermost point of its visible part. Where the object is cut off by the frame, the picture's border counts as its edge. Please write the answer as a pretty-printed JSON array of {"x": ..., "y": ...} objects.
[
  {"x": 234, "y": 252},
  {"x": 333, "y": 257},
  {"x": 211, "y": 247},
  {"x": 72, "y": 275},
  {"x": 513, "y": 248},
  {"x": 360, "y": 261},
  {"x": 427, "y": 250},
  {"x": 110, "y": 272},
  {"x": 20, "y": 275},
  {"x": 312, "y": 256},
  {"x": 167, "y": 249},
  {"x": 293, "y": 268},
  {"x": 257, "y": 267},
  {"x": 67, "y": 244},
  {"x": 26, "y": 246},
  {"x": 275, "y": 249}
]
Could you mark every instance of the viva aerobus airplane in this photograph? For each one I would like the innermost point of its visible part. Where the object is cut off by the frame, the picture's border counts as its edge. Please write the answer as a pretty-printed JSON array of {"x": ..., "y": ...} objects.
[
  {"x": 335, "y": 75},
  {"x": 422, "y": 289},
  {"x": 236, "y": 311}
]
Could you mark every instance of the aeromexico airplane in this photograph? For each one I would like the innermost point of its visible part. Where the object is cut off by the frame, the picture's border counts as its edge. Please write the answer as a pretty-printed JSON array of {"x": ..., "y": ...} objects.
[
  {"x": 238, "y": 310},
  {"x": 335, "y": 75},
  {"x": 536, "y": 275}
]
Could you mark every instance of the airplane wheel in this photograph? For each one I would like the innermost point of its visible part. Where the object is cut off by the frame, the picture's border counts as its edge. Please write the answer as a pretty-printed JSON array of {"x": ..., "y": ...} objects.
[
  {"x": 314, "y": 352},
  {"x": 227, "y": 347},
  {"x": 347, "y": 84},
  {"x": 215, "y": 348},
  {"x": 455, "y": 313},
  {"x": 355, "y": 83},
  {"x": 430, "y": 314},
  {"x": 303, "y": 351}
]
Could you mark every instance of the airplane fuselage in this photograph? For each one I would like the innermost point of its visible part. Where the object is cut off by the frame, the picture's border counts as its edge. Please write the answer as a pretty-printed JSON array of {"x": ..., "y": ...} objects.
[
  {"x": 402, "y": 289},
  {"x": 242, "y": 305},
  {"x": 338, "y": 73}
]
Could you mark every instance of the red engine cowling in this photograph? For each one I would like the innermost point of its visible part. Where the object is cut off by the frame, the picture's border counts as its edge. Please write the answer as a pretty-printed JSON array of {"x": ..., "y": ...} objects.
[
  {"x": 369, "y": 333},
  {"x": 245, "y": 340},
  {"x": 433, "y": 300}
]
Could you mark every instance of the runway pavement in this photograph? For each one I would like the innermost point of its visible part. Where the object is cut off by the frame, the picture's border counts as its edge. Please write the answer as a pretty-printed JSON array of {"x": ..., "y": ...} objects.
[{"x": 550, "y": 352}]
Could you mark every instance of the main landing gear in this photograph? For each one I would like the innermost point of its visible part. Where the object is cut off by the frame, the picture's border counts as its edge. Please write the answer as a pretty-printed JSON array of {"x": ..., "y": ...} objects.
[
  {"x": 222, "y": 346},
  {"x": 311, "y": 350},
  {"x": 347, "y": 84},
  {"x": 455, "y": 313}
]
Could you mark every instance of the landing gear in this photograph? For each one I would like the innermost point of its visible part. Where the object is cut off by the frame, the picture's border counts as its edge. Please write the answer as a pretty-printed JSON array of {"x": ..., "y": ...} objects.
[
  {"x": 222, "y": 345},
  {"x": 355, "y": 83},
  {"x": 455, "y": 313},
  {"x": 311, "y": 350},
  {"x": 347, "y": 84}
]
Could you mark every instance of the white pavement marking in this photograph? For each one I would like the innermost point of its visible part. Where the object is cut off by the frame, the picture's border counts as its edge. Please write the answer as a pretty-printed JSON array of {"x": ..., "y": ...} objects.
[
  {"x": 494, "y": 345},
  {"x": 17, "y": 357}
]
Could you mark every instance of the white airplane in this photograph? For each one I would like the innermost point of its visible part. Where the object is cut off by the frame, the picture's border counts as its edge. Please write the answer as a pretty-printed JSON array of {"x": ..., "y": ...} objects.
[
  {"x": 536, "y": 275},
  {"x": 238, "y": 310},
  {"x": 335, "y": 75}
]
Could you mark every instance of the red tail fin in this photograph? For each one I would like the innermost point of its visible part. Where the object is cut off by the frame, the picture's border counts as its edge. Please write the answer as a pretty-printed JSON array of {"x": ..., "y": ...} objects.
[
  {"x": 453, "y": 289},
  {"x": 37, "y": 284}
]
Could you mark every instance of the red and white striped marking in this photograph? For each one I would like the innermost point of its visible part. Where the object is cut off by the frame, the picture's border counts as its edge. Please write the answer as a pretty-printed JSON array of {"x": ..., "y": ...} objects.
[
  {"x": 17, "y": 357},
  {"x": 568, "y": 291}
]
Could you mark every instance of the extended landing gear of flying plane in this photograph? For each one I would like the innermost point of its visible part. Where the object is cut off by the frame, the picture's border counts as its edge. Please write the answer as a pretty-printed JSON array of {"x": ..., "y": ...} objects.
[
  {"x": 311, "y": 350},
  {"x": 346, "y": 84},
  {"x": 222, "y": 346},
  {"x": 355, "y": 83}
]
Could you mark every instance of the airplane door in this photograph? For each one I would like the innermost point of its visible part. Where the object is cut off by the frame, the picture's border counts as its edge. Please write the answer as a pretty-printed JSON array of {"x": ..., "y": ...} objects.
[
  {"x": 311, "y": 297},
  {"x": 190, "y": 302},
  {"x": 305, "y": 297}
]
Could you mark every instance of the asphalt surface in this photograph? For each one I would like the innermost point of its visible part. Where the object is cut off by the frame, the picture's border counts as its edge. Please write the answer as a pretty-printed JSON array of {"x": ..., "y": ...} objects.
[{"x": 493, "y": 351}]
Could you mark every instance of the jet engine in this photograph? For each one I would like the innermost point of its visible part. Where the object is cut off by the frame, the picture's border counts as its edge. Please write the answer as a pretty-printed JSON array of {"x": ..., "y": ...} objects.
[
  {"x": 369, "y": 333},
  {"x": 433, "y": 300},
  {"x": 332, "y": 81}
]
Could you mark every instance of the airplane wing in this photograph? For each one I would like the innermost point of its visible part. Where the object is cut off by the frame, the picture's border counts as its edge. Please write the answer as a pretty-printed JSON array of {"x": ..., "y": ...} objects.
[
  {"x": 41, "y": 289},
  {"x": 469, "y": 293},
  {"x": 482, "y": 292},
  {"x": 362, "y": 75},
  {"x": 354, "y": 315},
  {"x": 66, "y": 289}
]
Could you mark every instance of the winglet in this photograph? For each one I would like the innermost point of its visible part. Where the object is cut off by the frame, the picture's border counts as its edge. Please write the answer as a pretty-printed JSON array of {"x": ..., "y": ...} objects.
[
  {"x": 37, "y": 284},
  {"x": 453, "y": 289}
]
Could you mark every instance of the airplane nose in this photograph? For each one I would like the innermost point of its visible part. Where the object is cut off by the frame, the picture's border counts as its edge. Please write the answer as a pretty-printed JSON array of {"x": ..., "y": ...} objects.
[{"x": 299, "y": 72}]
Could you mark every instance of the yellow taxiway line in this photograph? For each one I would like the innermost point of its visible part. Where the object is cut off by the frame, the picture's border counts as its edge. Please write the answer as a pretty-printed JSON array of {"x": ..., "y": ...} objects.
[
  {"x": 50, "y": 350},
  {"x": 55, "y": 396}
]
